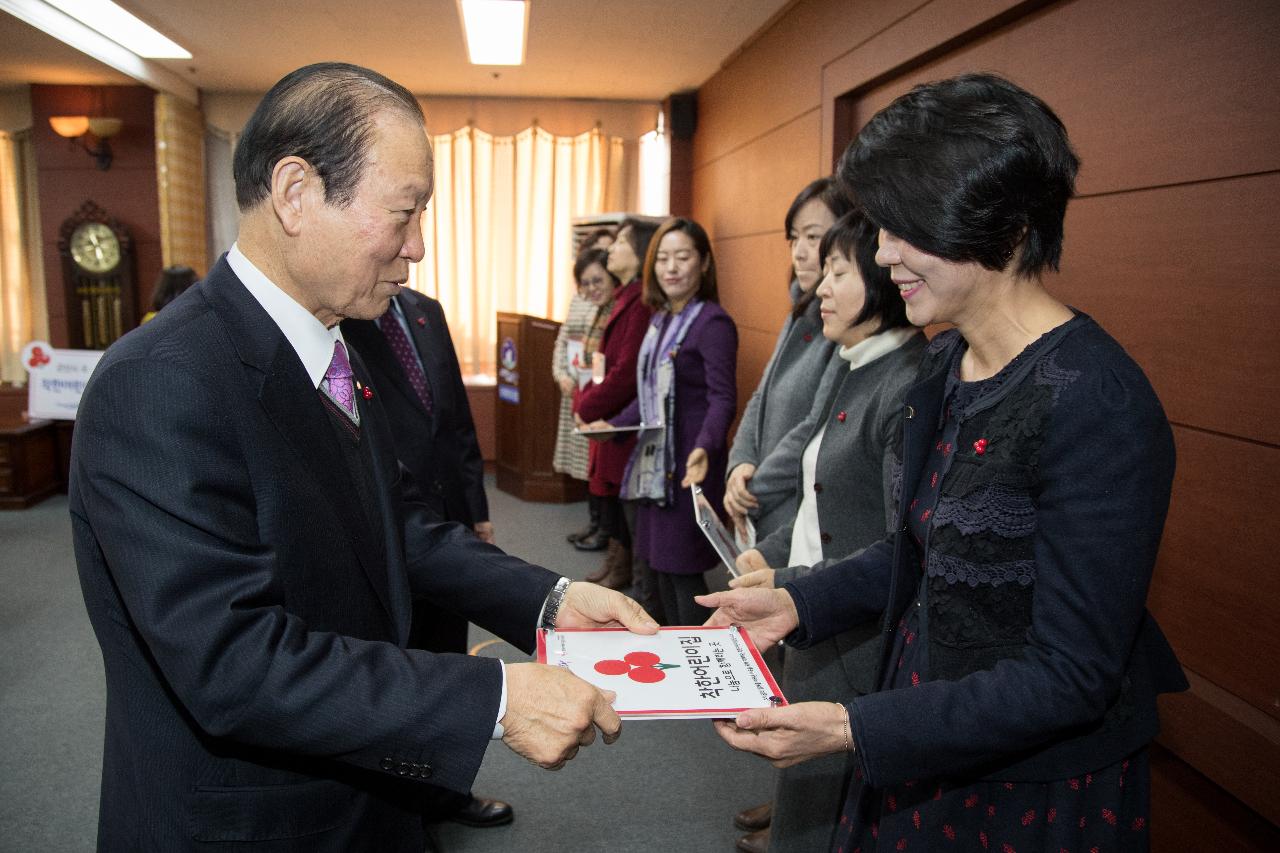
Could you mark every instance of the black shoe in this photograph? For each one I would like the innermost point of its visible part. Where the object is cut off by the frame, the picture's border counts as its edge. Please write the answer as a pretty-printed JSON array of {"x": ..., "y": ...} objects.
[
  {"x": 481, "y": 812},
  {"x": 597, "y": 541}
]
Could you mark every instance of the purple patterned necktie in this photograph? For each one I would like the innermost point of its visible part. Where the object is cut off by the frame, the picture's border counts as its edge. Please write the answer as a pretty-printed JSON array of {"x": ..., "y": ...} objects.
[
  {"x": 404, "y": 353},
  {"x": 341, "y": 387}
]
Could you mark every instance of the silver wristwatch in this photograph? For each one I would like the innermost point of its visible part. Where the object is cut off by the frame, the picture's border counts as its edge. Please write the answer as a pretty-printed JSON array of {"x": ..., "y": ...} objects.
[{"x": 551, "y": 607}]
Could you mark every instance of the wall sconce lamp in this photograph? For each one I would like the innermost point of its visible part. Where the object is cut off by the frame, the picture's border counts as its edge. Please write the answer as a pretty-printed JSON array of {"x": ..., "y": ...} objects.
[{"x": 76, "y": 127}]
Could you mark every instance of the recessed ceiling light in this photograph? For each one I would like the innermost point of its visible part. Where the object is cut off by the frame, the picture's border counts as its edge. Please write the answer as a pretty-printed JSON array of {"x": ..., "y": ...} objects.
[
  {"x": 122, "y": 28},
  {"x": 494, "y": 30}
]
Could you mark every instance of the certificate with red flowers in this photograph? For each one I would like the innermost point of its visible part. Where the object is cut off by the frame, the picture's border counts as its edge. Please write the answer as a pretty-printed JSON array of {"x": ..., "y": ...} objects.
[{"x": 678, "y": 673}]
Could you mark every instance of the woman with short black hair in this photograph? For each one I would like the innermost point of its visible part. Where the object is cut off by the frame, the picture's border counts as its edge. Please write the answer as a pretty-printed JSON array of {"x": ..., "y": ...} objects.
[
  {"x": 1019, "y": 666},
  {"x": 843, "y": 476}
]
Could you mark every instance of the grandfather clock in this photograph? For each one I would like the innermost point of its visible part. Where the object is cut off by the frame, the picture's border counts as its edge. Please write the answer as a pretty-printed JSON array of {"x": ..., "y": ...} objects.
[{"x": 98, "y": 277}]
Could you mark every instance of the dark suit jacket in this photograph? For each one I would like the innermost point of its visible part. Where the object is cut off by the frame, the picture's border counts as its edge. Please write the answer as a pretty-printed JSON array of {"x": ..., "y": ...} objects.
[
  {"x": 440, "y": 450},
  {"x": 258, "y": 691}
]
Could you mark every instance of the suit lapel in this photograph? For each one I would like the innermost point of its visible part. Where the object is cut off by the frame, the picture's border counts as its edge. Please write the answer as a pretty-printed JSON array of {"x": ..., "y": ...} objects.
[
  {"x": 293, "y": 406},
  {"x": 398, "y": 597},
  {"x": 427, "y": 340},
  {"x": 366, "y": 339}
]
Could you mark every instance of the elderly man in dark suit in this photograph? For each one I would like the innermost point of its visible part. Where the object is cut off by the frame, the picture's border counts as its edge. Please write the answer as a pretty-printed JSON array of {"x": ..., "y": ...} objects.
[
  {"x": 410, "y": 356},
  {"x": 248, "y": 545}
]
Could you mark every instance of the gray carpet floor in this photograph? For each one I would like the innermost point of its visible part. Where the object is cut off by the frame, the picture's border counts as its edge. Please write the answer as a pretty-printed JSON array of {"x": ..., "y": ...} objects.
[{"x": 665, "y": 785}]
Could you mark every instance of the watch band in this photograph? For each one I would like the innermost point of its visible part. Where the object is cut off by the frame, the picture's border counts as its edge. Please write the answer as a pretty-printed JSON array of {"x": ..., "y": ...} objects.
[{"x": 551, "y": 608}]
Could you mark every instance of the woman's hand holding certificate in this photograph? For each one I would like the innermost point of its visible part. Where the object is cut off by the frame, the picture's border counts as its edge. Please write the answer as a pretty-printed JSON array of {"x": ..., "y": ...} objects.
[
  {"x": 768, "y": 615},
  {"x": 789, "y": 735}
]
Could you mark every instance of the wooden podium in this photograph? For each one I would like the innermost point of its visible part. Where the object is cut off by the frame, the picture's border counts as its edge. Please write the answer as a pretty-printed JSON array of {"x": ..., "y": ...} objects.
[{"x": 528, "y": 412}]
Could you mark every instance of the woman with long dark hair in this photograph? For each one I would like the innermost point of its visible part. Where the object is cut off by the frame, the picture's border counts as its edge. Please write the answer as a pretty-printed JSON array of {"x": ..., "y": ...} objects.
[
  {"x": 686, "y": 382},
  {"x": 766, "y": 447}
]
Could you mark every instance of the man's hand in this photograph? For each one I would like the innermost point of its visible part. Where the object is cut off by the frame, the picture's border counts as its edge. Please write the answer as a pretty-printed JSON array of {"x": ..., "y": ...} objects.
[
  {"x": 551, "y": 713},
  {"x": 587, "y": 605},
  {"x": 695, "y": 468},
  {"x": 768, "y": 615},
  {"x": 567, "y": 386},
  {"x": 755, "y": 570},
  {"x": 738, "y": 502},
  {"x": 788, "y": 735},
  {"x": 484, "y": 531}
]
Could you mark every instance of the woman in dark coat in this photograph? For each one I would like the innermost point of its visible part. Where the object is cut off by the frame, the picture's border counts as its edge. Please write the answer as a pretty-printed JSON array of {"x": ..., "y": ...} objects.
[
  {"x": 1019, "y": 667},
  {"x": 687, "y": 381}
]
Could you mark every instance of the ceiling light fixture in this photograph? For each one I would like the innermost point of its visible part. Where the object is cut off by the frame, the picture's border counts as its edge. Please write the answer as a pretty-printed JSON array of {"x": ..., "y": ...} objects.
[
  {"x": 122, "y": 28},
  {"x": 494, "y": 30}
]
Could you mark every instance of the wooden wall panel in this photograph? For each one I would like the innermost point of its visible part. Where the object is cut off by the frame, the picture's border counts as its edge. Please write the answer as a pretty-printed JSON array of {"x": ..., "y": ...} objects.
[
  {"x": 752, "y": 275},
  {"x": 1216, "y": 577},
  {"x": 1227, "y": 740},
  {"x": 1129, "y": 125},
  {"x": 1190, "y": 813},
  {"x": 1184, "y": 277},
  {"x": 910, "y": 40},
  {"x": 749, "y": 190},
  {"x": 775, "y": 79}
]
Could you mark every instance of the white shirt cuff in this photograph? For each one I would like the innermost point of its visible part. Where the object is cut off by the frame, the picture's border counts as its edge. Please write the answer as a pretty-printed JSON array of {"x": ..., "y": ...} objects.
[{"x": 498, "y": 730}]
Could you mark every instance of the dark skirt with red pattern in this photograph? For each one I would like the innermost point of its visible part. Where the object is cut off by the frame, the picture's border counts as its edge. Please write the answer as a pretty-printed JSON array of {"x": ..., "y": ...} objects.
[{"x": 1101, "y": 812}]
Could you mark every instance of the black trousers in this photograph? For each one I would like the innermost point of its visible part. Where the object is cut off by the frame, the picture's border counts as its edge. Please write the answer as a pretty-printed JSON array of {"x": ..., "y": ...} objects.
[
  {"x": 676, "y": 593},
  {"x": 612, "y": 520}
]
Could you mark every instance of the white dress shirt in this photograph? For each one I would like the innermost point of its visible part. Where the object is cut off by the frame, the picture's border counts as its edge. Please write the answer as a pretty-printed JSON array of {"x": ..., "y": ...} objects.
[{"x": 314, "y": 345}]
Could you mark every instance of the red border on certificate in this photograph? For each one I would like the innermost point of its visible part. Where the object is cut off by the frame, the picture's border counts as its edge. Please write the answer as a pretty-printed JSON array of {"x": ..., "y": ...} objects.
[{"x": 693, "y": 713}]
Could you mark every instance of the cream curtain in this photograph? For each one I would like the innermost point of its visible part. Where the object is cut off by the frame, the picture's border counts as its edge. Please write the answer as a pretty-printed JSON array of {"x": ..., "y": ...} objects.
[
  {"x": 180, "y": 181},
  {"x": 498, "y": 230},
  {"x": 223, "y": 220},
  {"x": 23, "y": 314}
]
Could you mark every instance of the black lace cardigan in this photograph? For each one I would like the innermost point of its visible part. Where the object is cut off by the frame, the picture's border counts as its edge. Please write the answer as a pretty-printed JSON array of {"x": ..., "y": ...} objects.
[{"x": 1043, "y": 660}]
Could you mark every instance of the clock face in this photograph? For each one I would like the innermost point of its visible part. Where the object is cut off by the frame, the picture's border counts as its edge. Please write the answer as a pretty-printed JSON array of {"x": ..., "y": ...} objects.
[{"x": 95, "y": 247}]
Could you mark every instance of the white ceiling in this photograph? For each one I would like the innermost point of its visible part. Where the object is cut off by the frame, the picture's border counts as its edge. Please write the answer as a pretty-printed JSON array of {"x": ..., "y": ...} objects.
[{"x": 625, "y": 49}]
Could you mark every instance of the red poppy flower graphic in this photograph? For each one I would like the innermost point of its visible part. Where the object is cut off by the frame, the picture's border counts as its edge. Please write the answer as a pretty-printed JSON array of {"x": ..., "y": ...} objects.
[
  {"x": 644, "y": 667},
  {"x": 38, "y": 358}
]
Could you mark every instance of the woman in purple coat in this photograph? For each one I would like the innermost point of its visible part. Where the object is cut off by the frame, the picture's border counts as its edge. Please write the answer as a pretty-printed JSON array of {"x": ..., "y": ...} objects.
[{"x": 686, "y": 381}]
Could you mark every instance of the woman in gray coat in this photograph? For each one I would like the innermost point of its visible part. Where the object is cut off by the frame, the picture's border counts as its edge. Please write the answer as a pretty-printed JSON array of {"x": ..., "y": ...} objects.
[
  {"x": 760, "y": 483},
  {"x": 844, "y": 478}
]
